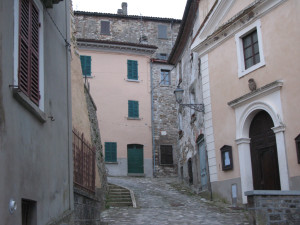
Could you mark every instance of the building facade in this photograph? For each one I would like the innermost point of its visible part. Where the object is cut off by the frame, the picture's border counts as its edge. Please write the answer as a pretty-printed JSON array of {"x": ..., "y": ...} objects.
[
  {"x": 248, "y": 89},
  {"x": 35, "y": 121},
  {"x": 133, "y": 50}
]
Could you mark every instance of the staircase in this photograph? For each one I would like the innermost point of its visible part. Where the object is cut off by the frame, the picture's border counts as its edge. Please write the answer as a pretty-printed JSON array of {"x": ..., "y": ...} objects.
[{"x": 118, "y": 196}]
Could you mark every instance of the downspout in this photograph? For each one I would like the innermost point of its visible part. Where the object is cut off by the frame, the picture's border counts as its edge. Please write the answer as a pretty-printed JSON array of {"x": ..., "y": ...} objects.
[
  {"x": 69, "y": 106},
  {"x": 152, "y": 118}
]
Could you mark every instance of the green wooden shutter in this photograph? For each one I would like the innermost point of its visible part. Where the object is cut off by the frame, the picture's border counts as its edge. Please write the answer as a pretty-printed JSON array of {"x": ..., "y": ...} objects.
[
  {"x": 133, "y": 109},
  {"x": 110, "y": 152},
  {"x": 132, "y": 69},
  {"x": 86, "y": 65}
]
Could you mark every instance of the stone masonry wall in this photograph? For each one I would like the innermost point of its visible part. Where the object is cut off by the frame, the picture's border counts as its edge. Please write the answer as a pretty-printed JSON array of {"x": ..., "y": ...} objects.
[
  {"x": 87, "y": 208},
  {"x": 96, "y": 140},
  {"x": 274, "y": 209},
  {"x": 192, "y": 124},
  {"x": 165, "y": 118},
  {"x": 128, "y": 30}
]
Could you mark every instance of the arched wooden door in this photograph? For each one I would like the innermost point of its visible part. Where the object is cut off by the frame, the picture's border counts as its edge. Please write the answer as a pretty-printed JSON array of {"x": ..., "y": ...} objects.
[{"x": 264, "y": 153}]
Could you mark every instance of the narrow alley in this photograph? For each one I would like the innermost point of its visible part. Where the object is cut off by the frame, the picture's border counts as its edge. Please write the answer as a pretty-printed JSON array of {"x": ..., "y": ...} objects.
[{"x": 165, "y": 201}]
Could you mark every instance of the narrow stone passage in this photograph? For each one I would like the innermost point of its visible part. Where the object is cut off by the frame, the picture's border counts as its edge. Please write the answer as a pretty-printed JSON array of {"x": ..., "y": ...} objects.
[{"x": 158, "y": 202}]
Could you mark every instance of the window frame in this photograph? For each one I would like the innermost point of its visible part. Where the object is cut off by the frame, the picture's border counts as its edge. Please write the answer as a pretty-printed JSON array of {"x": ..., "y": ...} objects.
[
  {"x": 39, "y": 6},
  {"x": 160, "y": 155},
  {"x": 103, "y": 31},
  {"x": 162, "y": 81},
  {"x": 106, "y": 149},
  {"x": 242, "y": 71}
]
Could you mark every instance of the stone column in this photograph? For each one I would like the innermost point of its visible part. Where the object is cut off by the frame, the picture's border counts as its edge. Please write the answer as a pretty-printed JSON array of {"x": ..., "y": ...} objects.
[
  {"x": 245, "y": 166},
  {"x": 282, "y": 158}
]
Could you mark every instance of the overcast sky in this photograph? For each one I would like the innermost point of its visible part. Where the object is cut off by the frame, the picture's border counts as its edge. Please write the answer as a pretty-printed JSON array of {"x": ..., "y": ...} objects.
[{"x": 154, "y": 8}]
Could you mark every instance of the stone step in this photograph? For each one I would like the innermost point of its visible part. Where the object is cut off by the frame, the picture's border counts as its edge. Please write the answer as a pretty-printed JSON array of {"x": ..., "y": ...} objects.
[
  {"x": 118, "y": 199},
  {"x": 120, "y": 204},
  {"x": 118, "y": 196}
]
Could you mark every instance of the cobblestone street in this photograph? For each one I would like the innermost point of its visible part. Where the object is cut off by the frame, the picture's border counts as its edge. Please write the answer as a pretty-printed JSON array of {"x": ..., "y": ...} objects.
[{"x": 159, "y": 202}]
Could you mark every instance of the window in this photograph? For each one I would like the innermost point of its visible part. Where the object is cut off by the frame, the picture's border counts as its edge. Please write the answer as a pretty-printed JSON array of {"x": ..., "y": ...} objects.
[
  {"x": 105, "y": 27},
  {"x": 162, "y": 56},
  {"x": 162, "y": 31},
  {"x": 249, "y": 49},
  {"x": 165, "y": 77},
  {"x": 110, "y": 152},
  {"x": 166, "y": 155},
  {"x": 132, "y": 69},
  {"x": 86, "y": 65},
  {"x": 133, "y": 109},
  {"x": 29, "y": 50}
]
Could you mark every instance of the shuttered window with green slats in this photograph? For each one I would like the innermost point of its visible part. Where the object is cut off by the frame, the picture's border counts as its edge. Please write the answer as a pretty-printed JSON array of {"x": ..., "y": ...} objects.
[
  {"x": 110, "y": 152},
  {"x": 86, "y": 65},
  {"x": 133, "y": 109},
  {"x": 132, "y": 69}
]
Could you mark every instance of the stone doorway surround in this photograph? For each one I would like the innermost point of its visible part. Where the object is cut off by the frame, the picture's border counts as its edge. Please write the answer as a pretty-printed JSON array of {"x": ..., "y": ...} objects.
[{"x": 266, "y": 98}]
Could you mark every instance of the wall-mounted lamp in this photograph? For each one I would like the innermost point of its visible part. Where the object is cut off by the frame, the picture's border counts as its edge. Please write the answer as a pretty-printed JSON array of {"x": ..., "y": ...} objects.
[
  {"x": 226, "y": 156},
  {"x": 12, "y": 207},
  {"x": 179, "y": 96}
]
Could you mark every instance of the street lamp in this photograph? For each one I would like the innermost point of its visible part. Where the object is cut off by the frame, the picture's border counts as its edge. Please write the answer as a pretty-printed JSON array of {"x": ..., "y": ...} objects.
[{"x": 179, "y": 96}]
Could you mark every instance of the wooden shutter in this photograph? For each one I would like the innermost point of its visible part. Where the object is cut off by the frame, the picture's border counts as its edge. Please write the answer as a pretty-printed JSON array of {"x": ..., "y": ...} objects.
[
  {"x": 132, "y": 69},
  {"x": 162, "y": 31},
  {"x": 110, "y": 151},
  {"x": 28, "y": 75},
  {"x": 86, "y": 65},
  {"x": 105, "y": 27},
  {"x": 133, "y": 109}
]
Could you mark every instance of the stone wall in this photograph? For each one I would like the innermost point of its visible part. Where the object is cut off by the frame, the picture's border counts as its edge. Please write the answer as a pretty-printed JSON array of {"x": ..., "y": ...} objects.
[
  {"x": 192, "y": 122},
  {"x": 128, "y": 29},
  {"x": 96, "y": 140},
  {"x": 274, "y": 207},
  {"x": 87, "y": 208},
  {"x": 165, "y": 118}
]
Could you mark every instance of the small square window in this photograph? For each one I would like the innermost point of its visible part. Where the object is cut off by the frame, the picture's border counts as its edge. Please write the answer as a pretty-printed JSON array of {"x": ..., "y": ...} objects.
[
  {"x": 166, "y": 155},
  {"x": 110, "y": 152},
  {"x": 165, "y": 77},
  {"x": 133, "y": 109},
  {"x": 162, "y": 31},
  {"x": 105, "y": 28},
  {"x": 162, "y": 56}
]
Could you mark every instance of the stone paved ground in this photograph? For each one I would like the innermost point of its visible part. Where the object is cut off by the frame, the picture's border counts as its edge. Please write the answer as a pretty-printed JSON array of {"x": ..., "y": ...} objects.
[{"x": 160, "y": 203}]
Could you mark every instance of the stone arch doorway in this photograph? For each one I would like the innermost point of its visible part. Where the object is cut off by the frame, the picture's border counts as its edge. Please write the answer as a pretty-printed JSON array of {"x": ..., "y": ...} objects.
[{"x": 263, "y": 150}]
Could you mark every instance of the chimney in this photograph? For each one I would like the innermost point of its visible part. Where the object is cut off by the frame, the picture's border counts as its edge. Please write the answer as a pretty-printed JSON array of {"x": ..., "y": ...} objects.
[
  {"x": 124, "y": 8},
  {"x": 120, "y": 11}
]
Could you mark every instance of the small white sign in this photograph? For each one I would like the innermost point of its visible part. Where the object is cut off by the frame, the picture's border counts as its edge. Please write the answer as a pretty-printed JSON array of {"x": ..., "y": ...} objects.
[{"x": 163, "y": 133}]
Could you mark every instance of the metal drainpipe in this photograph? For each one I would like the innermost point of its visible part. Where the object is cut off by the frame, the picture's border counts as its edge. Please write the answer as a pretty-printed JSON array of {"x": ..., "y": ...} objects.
[
  {"x": 152, "y": 119},
  {"x": 69, "y": 109}
]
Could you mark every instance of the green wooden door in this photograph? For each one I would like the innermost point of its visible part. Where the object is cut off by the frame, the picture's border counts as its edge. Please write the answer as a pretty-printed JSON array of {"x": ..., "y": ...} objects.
[{"x": 135, "y": 158}]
